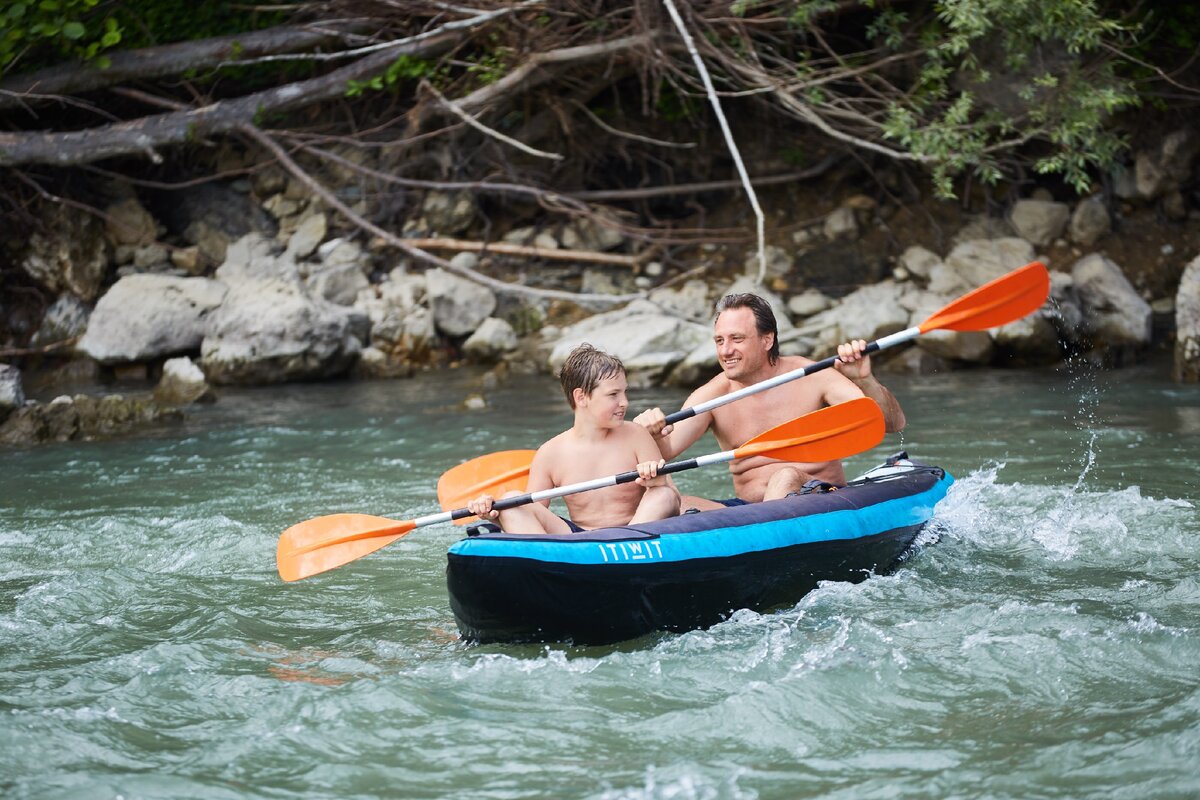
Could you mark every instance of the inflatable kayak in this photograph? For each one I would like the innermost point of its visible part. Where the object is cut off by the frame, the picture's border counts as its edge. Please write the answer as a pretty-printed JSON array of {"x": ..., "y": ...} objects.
[{"x": 690, "y": 571}]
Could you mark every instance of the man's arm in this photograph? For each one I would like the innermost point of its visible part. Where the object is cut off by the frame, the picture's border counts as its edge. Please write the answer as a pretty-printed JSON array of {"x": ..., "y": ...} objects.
[
  {"x": 856, "y": 366},
  {"x": 674, "y": 439}
]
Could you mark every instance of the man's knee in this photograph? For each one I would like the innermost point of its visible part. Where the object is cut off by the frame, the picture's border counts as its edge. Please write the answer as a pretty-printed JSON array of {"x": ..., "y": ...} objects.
[{"x": 783, "y": 482}]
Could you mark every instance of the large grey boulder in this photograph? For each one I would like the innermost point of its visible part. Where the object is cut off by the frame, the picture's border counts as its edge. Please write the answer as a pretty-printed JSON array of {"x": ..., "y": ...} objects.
[
  {"x": 459, "y": 306},
  {"x": 973, "y": 263},
  {"x": 1039, "y": 221},
  {"x": 1165, "y": 168},
  {"x": 12, "y": 393},
  {"x": 646, "y": 340},
  {"x": 867, "y": 313},
  {"x": 66, "y": 318},
  {"x": 1114, "y": 313},
  {"x": 271, "y": 331},
  {"x": 72, "y": 256},
  {"x": 143, "y": 317},
  {"x": 1187, "y": 325},
  {"x": 491, "y": 340}
]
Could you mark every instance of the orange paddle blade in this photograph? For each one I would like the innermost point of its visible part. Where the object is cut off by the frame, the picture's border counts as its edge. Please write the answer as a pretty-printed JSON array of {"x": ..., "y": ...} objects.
[
  {"x": 320, "y": 544},
  {"x": 494, "y": 474},
  {"x": 1006, "y": 299},
  {"x": 832, "y": 433}
]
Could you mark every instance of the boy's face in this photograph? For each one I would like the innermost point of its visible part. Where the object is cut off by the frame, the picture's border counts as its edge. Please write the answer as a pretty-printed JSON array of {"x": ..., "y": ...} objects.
[{"x": 607, "y": 403}]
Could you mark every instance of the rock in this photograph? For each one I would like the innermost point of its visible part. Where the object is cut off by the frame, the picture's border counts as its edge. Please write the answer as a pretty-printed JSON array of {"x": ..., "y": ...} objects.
[
  {"x": 1039, "y": 221},
  {"x": 696, "y": 367},
  {"x": 648, "y": 342},
  {"x": 72, "y": 256},
  {"x": 919, "y": 262},
  {"x": 212, "y": 216},
  {"x": 182, "y": 383},
  {"x": 809, "y": 302},
  {"x": 408, "y": 330},
  {"x": 1187, "y": 325},
  {"x": 841, "y": 223},
  {"x": 868, "y": 313},
  {"x": 65, "y": 319},
  {"x": 270, "y": 331},
  {"x": 1114, "y": 313},
  {"x": 12, "y": 393},
  {"x": 593, "y": 234},
  {"x": 254, "y": 257},
  {"x": 475, "y": 402},
  {"x": 338, "y": 284},
  {"x": 971, "y": 347},
  {"x": 150, "y": 256},
  {"x": 61, "y": 419},
  {"x": 973, "y": 263},
  {"x": 280, "y": 206},
  {"x": 459, "y": 305},
  {"x": 491, "y": 340},
  {"x": 188, "y": 259},
  {"x": 128, "y": 223},
  {"x": 1166, "y": 168},
  {"x": 1030, "y": 340},
  {"x": 338, "y": 252},
  {"x": 448, "y": 213},
  {"x": 600, "y": 281},
  {"x": 690, "y": 301},
  {"x": 1090, "y": 222},
  {"x": 778, "y": 262},
  {"x": 150, "y": 316},
  {"x": 309, "y": 233}
]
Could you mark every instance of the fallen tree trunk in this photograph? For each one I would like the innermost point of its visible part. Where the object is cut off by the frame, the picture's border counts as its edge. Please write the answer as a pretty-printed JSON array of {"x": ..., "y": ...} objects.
[{"x": 49, "y": 84}]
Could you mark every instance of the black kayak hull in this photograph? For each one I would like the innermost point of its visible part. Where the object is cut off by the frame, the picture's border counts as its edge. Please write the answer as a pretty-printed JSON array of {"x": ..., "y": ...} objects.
[{"x": 690, "y": 571}]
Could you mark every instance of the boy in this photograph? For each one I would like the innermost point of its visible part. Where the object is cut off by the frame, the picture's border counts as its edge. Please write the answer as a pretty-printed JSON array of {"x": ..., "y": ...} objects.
[{"x": 600, "y": 443}]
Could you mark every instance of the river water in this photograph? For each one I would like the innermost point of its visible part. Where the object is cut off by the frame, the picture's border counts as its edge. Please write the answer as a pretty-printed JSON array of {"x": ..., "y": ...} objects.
[{"x": 1044, "y": 642}]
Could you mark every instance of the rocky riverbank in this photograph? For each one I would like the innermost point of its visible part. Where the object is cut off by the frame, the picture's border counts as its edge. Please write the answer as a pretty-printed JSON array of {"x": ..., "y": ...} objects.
[{"x": 254, "y": 282}]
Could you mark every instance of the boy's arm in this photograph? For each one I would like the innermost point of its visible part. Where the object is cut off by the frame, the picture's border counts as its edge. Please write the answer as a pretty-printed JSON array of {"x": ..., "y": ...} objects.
[
  {"x": 646, "y": 449},
  {"x": 541, "y": 470}
]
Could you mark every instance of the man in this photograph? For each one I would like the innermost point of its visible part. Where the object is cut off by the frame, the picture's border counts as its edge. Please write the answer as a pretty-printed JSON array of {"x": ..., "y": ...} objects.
[{"x": 747, "y": 342}]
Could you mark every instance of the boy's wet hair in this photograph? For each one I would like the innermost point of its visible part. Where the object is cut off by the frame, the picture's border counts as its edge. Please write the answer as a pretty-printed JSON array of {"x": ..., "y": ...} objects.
[
  {"x": 764, "y": 317},
  {"x": 584, "y": 368}
]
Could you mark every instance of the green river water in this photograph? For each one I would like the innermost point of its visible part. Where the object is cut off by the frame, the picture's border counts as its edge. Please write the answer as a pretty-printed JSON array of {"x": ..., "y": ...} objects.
[{"x": 1044, "y": 641}]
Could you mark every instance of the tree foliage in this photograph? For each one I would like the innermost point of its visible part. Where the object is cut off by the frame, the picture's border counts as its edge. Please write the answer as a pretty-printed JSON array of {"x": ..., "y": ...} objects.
[{"x": 979, "y": 90}]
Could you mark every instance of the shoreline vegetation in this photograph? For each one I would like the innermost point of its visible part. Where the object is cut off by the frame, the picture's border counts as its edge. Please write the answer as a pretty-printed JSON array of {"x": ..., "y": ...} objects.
[{"x": 258, "y": 198}]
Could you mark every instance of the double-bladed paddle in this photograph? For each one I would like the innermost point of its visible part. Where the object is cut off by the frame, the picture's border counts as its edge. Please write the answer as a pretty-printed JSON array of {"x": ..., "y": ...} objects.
[
  {"x": 998, "y": 302},
  {"x": 324, "y": 543}
]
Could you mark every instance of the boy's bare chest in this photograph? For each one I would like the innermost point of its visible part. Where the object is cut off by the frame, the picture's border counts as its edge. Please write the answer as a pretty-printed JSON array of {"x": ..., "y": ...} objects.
[{"x": 584, "y": 462}]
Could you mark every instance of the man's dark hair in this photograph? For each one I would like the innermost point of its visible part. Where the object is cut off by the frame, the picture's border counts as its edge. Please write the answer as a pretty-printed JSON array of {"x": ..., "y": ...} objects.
[{"x": 764, "y": 317}]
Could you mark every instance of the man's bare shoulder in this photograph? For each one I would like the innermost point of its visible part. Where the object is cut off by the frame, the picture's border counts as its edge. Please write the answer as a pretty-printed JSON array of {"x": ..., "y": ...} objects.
[
  {"x": 789, "y": 363},
  {"x": 719, "y": 385}
]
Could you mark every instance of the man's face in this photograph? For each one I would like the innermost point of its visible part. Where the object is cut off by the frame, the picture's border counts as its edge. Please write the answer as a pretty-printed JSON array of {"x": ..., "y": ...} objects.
[{"x": 741, "y": 349}]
